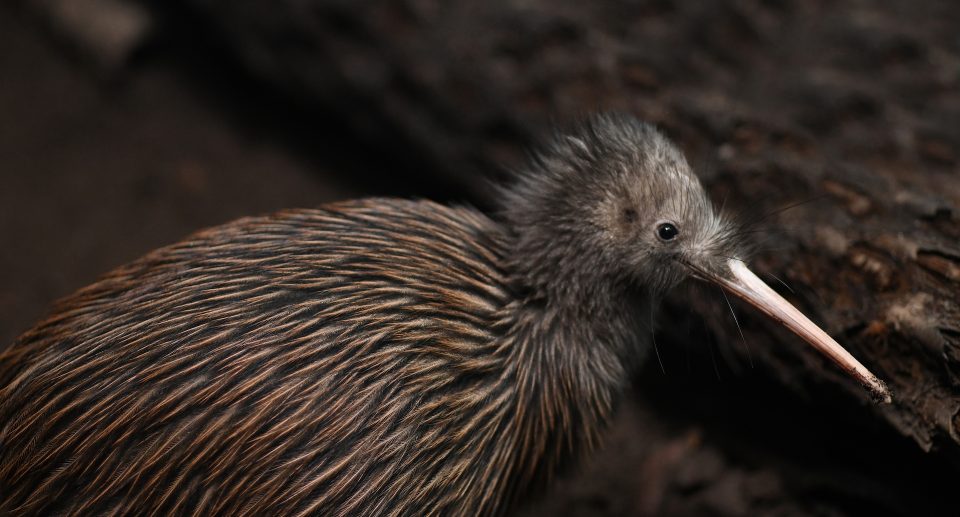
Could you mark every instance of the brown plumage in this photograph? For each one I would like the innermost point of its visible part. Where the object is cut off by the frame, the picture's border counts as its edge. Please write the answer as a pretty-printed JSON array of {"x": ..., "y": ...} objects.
[{"x": 374, "y": 357}]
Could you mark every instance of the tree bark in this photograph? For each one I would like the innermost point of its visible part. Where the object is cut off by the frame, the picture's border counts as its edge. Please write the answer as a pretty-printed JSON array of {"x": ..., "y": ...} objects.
[{"x": 851, "y": 109}]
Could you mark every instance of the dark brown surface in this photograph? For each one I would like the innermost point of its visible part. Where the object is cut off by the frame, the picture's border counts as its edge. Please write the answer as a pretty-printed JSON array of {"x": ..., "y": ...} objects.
[{"x": 851, "y": 106}]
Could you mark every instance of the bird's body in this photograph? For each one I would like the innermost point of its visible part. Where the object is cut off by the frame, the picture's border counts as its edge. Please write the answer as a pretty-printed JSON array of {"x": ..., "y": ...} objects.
[
  {"x": 370, "y": 357},
  {"x": 374, "y": 357}
]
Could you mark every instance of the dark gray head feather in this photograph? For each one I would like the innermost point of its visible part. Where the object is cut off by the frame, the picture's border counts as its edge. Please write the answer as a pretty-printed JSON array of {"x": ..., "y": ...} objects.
[{"x": 588, "y": 206}]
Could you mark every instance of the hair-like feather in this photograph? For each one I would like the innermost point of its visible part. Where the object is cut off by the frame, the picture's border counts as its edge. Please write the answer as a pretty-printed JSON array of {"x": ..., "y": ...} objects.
[{"x": 374, "y": 357}]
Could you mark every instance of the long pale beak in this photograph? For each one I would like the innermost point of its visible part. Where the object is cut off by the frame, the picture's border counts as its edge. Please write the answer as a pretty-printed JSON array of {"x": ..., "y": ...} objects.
[{"x": 746, "y": 285}]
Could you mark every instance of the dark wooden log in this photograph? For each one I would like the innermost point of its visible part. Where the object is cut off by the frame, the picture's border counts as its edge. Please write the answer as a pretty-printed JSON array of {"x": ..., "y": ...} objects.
[{"x": 850, "y": 108}]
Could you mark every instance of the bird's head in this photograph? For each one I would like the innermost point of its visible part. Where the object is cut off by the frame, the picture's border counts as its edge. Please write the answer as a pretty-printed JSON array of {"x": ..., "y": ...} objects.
[{"x": 612, "y": 201}]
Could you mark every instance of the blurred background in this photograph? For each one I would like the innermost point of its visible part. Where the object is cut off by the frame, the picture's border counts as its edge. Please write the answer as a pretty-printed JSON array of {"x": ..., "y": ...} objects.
[{"x": 127, "y": 124}]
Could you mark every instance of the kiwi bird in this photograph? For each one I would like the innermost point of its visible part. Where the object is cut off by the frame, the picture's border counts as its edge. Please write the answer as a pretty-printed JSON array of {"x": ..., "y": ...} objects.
[{"x": 371, "y": 357}]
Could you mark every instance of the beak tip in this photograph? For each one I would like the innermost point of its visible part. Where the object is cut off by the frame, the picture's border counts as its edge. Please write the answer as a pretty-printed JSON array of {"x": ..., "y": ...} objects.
[{"x": 881, "y": 394}]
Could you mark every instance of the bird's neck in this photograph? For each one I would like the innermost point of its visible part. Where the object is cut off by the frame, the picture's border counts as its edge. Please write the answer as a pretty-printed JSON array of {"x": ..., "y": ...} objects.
[{"x": 570, "y": 356}]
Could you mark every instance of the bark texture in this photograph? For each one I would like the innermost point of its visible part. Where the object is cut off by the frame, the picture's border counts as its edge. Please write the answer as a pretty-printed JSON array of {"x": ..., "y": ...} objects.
[{"x": 850, "y": 108}]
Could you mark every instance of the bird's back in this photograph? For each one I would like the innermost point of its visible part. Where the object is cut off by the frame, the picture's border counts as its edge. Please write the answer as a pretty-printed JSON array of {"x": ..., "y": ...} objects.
[{"x": 331, "y": 361}]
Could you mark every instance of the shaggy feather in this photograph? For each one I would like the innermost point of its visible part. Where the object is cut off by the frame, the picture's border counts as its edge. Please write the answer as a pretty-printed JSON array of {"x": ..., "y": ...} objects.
[{"x": 374, "y": 357}]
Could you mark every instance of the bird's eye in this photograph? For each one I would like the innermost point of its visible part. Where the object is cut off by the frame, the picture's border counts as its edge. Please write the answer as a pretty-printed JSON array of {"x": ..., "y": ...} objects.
[{"x": 667, "y": 231}]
